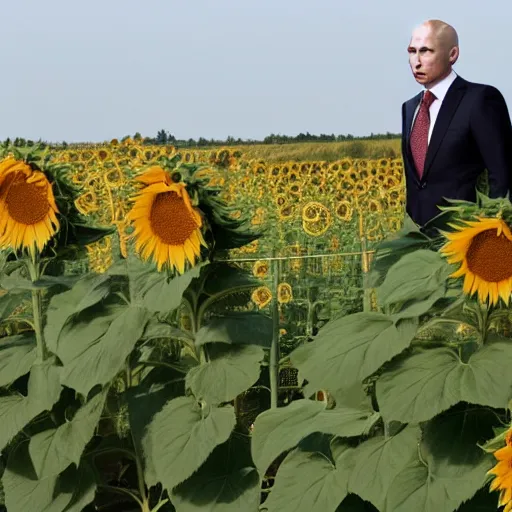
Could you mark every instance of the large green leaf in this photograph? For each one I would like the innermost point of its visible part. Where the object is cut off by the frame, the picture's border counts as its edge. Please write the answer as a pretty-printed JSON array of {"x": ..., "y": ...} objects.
[
  {"x": 415, "y": 276},
  {"x": 394, "y": 247},
  {"x": 144, "y": 401},
  {"x": 224, "y": 276},
  {"x": 24, "y": 491},
  {"x": 378, "y": 461},
  {"x": 229, "y": 371},
  {"x": 251, "y": 328},
  {"x": 428, "y": 382},
  {"x": 9, "y": 302},
  {"x": 16, "y": 410},
  {"x": 155, "y": 329},
  {"x": 87, "y": 292},
  {"x": 84, "y": 482},
  {"x": 54, "y": 450},
  {"x": 349, "y": 349},
  {"x": 278, "y": 430},
  {"x": 310, "y": 482},
  {"x": 451, "y": 467},
  {"x": 15, "y": 283},
  {"x": 226, "y": 482},
  {"x": 17, "y": 355},
  {"x": 483, "y": 501},
  {"x": 99, "y": 361},
  {"x": 417, "y": 307},
  {"x": 163, "y": 294},
  {"x": 182, "y": 436}
]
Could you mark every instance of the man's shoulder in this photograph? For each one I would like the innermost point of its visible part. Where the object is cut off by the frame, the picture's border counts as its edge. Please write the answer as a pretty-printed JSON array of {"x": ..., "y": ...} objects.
[{"x": 479, "y": 87}]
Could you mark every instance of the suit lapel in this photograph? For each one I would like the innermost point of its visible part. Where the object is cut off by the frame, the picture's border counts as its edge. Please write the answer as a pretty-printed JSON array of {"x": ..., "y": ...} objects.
[
  {"x": 409, "y": 115},
  {"x": 450, "y": 103}
]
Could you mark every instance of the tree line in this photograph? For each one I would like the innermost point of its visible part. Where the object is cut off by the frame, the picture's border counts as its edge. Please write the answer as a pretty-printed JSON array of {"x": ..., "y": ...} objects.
[{"x": 164, "y": 137}]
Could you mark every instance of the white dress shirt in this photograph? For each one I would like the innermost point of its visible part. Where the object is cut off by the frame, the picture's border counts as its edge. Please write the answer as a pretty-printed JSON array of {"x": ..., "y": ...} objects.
[{"x": 439, "y": 90}]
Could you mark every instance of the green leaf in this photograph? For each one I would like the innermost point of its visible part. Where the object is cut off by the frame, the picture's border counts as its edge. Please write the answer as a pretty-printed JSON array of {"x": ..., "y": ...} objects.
[
  {"x": 144, "y": 401},
  {"x": 378, "y": 461},
  {"x": 309, "y": 482},
  {"x": 17, "y": 355},
  {"x": 452, "y": 467},
  {"x": 251, "y": 328},
  {"x": 23, "y": 490},
  {"x": 9, "y": 302},
  {"x": 394, "y": 247},
  {"x": 155, "y": 329},
  {"x": 15, "y": 283},
  {"x": 182, "y": 436},
  {"x": 229, "y": 371},
  {"x": 415, "y": 308},
  {"x": 483, "y": 501},
  {"x": 226, "y": 482},
  {"x": 16, "y": 410},
  {"x": 224, "y": 276},
  {"x": 99, "y": 360},
  {"x": 278, "y": 430},
  {"x": 349, "y": 349},
  {"x": 87, "y": 292},
  {"x": 163, "y": 294},
  {"x": 429, "y": 382},
  {"x": 54, "y": 450},
  {"x": 415, "y": 276},
  {"x": 85, "y": 489}
]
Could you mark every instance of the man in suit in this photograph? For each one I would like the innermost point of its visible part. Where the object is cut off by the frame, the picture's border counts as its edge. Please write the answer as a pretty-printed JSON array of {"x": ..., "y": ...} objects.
[{"x": 451, "y": 131}]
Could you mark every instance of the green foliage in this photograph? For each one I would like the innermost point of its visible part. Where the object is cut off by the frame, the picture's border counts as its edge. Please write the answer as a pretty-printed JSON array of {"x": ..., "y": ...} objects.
[
  {"x": 350, "y": 349},
  {"x": 228, "y": 373},
  {"x": 183, "y": 434},
  {"x": 131, "y": 385},
  {"x": 118, "y": 375},
  {"x": 278, "y": 430}
]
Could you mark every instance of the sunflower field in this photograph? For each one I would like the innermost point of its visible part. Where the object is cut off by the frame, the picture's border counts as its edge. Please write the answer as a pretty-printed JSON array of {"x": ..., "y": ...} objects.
[{"x": 185, "y": 331}]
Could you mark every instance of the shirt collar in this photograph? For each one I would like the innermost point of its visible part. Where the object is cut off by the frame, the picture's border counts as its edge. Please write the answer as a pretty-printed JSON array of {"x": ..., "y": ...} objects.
[{"x": 440, "y": 89}]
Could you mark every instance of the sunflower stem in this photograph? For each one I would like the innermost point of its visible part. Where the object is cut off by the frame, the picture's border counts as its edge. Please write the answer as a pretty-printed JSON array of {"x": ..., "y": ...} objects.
[
  {"x": 274, "y": 347},
  {"x": 34, "y": 271}
]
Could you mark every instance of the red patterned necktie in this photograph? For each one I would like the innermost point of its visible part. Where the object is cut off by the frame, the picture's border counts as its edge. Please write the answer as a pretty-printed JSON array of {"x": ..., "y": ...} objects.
[{"x": 419, "y": 134}]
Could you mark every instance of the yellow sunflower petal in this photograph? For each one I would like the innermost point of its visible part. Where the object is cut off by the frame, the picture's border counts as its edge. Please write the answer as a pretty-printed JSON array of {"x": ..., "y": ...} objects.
[
  {"x": 483, "y": 247},
  {"x": 27, "y": 207},
  {"x": 167, "y": 227}
]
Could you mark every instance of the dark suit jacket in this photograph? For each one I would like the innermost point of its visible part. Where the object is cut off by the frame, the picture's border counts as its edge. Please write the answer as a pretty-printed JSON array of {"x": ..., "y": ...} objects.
[{"x": 472, "y": 133}]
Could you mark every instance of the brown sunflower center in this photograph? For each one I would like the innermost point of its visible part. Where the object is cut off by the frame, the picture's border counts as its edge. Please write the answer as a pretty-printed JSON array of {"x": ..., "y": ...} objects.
[
  {"x": 27, "y": 203},
  {"x": 171, "y": 220},
  {"x": 490, "y": 256}
]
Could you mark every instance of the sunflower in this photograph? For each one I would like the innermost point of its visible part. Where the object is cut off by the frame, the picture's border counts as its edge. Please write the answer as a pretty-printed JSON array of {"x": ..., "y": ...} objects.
[
  {"x": 261, "y": 296},
  {"x": 28, "y": 210},
  {"x": 260, "y": 269},
  {"x": 167, "y": 226},
  {"x": 502, "y": 472},
  {"x": 284, "y": 293},
  {"x": 484, "y": 249}
]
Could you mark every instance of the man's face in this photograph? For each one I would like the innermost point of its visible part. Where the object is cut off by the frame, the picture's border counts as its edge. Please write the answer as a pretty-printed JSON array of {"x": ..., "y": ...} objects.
[{"x": 428, "y": 58}]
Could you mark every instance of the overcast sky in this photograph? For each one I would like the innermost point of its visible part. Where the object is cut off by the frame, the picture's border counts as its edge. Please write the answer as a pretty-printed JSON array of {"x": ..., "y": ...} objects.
[{"x": 98, "y": 69}]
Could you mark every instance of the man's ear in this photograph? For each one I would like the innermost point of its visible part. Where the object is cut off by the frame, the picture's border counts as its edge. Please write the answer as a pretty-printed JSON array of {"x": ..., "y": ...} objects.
[{"x": 454, "y": 55}]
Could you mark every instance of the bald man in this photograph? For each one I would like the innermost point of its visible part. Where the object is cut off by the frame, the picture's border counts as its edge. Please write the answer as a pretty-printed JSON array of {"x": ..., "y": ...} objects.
[{"x": 452, "y": 130}]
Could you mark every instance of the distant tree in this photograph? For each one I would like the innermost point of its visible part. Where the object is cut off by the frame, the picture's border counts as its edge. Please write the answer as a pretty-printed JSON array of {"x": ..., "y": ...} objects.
[{"x": 161, "y": 137}]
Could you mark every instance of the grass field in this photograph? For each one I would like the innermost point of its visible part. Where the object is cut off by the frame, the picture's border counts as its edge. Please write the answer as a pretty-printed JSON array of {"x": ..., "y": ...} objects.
[
  {"x": 326, "y": 151},
  {"x": 296, "y": 152}
]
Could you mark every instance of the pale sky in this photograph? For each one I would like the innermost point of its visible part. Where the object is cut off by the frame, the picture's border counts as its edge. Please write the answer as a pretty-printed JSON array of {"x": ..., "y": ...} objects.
[{"x": 97, "y": 70}]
